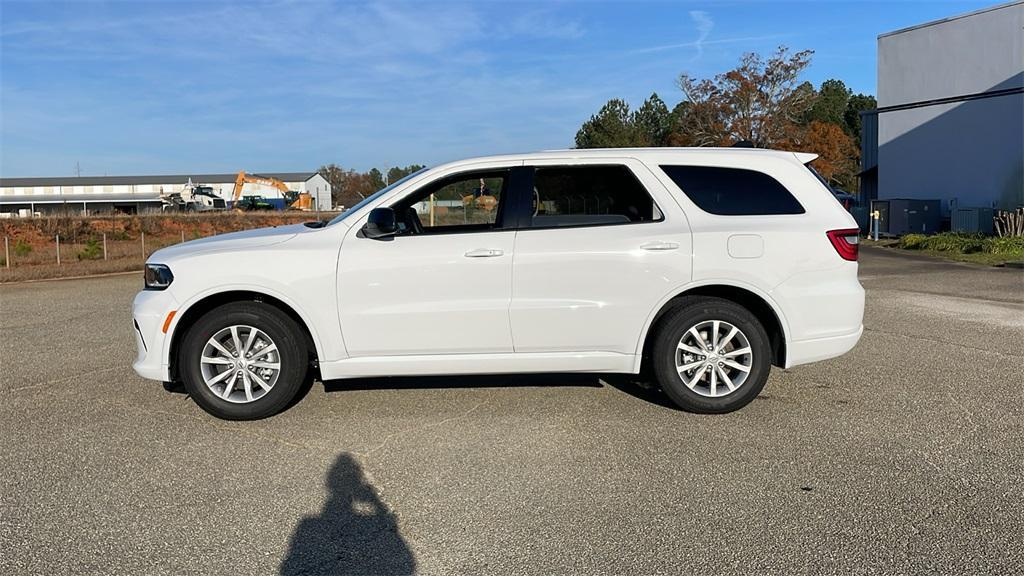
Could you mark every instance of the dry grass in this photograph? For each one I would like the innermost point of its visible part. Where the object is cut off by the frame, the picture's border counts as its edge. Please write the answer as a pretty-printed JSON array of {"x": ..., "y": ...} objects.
[
  {"x": 33, "y": 248},
  {"x": 69, "y": 270}
]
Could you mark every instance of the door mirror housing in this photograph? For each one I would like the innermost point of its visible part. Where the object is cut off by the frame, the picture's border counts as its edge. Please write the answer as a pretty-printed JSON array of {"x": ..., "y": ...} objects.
[{"x": 381, "y": 224}]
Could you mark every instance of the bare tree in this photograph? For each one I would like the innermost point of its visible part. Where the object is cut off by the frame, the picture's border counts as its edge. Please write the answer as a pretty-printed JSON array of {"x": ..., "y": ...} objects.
[{"x": 760, "y": 101}]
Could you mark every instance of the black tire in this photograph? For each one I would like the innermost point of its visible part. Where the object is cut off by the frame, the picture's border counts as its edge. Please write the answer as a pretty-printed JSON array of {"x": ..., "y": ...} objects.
[
  {"x": 671, "y": 329},
  {"x": 285, "y": 333}
]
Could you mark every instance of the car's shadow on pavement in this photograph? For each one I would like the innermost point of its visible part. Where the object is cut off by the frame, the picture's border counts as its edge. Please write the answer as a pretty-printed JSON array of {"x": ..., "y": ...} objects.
[
  {"x": 640, "y": 387},
  {"x": 353, "y": 534},
  {"x": 635, "y": 385}
]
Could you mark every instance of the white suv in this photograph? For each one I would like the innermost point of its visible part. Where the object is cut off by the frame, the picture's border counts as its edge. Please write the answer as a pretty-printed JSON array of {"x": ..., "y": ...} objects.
[{"x": 705, "y": 266}]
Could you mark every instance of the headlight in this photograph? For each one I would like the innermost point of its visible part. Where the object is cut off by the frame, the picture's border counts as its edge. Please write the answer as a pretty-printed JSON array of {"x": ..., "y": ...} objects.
[{"x": 158, "y": 276}]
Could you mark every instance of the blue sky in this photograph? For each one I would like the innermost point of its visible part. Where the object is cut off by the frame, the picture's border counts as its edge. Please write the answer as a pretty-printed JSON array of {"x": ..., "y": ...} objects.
[{"x": 177, "y": 87}]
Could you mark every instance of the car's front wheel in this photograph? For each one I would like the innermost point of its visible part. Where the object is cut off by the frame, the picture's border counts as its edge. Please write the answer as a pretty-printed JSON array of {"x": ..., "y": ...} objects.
[
  {"x": 711, "y": 356},
  {"x": 243, "y": 361}
]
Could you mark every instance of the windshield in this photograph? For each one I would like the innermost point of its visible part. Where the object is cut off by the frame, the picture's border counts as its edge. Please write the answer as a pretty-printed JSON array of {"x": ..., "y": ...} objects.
[{"x": 372, "y": 197}]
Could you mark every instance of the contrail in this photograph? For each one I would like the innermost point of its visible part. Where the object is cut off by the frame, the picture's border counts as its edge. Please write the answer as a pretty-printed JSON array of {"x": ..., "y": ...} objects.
[{"x": 704, "y": 25}]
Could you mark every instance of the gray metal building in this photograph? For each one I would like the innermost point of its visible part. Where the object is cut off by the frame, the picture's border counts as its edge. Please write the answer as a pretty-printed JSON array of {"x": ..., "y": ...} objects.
[{"x": 950, "y": 118}]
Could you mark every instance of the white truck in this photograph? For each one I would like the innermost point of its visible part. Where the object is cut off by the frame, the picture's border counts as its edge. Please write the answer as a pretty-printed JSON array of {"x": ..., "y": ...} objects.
[{"x": 193, "y": 198}]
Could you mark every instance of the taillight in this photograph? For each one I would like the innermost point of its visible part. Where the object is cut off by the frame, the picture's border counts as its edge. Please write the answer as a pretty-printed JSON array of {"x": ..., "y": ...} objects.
[{"x": 845, "y": 242}]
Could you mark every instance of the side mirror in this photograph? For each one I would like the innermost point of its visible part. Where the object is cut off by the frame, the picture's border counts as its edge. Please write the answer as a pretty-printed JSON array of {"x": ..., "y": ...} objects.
[{"x": 381, "y": 223}]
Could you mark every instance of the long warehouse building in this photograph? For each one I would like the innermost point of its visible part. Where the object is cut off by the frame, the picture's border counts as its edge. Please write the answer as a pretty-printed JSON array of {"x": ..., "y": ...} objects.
[{"x": 137, "y": 194}]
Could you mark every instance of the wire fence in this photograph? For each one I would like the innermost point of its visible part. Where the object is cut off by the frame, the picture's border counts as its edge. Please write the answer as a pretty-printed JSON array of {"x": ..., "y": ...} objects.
[{"x": 59, "y": 246}]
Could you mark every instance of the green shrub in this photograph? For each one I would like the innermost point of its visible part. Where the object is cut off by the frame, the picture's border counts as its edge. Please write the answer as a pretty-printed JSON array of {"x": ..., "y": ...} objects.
[
  {"x": 962, "y": 243},
  {"x": 913, "y": 241},
  {"x": 1008, "y": 245},
  {"x": 93, "y": 250},
  {"x": 22, "y": 248}
]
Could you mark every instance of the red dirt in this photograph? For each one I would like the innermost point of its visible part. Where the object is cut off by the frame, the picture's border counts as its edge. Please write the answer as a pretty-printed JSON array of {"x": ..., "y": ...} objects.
[{"x": 33, "y": 250}]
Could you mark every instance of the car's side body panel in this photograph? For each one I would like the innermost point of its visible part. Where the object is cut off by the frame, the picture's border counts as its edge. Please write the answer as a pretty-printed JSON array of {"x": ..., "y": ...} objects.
[
  {"x": 590, "y": 288},
  {"x": 787, "y": 259},
  {"x": 424, "y": 295},
  {"x": 565, "y": 299}
]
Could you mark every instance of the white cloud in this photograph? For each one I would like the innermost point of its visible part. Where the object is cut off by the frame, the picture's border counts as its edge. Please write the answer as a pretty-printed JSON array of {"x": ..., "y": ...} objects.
[
  {"x": 543, "y": 24},
  {"x": 235, "y": 85}
]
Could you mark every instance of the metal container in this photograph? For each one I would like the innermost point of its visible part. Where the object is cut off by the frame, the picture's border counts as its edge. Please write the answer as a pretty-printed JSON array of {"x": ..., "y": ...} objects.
[
  {"x": 908, "y": 216},
  {"x": 972, "y": 220}
]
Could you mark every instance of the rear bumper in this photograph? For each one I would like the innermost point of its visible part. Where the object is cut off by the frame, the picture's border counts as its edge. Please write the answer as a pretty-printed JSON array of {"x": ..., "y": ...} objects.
[
  {"x": 807, "y": 351},
  {"x": 149, "y": 310},
  {"x": 824, "y": 311}
]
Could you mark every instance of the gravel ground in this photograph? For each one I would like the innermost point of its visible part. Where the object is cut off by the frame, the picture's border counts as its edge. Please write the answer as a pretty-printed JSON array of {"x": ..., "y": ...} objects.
[{"x": 903, "y": 456}]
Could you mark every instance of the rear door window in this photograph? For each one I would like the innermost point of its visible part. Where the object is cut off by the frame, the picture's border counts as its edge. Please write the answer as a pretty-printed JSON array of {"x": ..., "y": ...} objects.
[
  {"x": 733, "y": 191},
  {"x": 565, "y": 196}
]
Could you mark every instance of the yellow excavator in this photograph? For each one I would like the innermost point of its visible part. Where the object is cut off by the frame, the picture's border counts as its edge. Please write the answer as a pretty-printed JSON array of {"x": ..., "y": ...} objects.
[{"x": 294, "y": 200}]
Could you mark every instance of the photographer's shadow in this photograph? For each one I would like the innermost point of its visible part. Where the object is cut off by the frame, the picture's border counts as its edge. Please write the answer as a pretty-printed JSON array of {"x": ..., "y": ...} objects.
[{"x": 353, "y": 534}]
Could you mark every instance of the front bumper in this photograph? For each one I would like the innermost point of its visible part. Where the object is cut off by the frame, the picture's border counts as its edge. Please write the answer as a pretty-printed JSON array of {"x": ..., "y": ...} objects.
[{"x": 149, "y": 311}]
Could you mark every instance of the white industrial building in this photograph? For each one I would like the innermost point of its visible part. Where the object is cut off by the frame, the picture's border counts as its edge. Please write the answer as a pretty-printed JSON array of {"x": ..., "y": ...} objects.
[
  {"x": 950, "y": 121},
  {"x": 136, "y": 194}
]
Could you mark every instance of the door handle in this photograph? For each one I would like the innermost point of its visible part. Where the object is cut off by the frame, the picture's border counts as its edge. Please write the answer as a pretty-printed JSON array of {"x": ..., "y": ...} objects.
[
  {"x": 657, "y": 245},
  {"x": 484, "y": 253}
]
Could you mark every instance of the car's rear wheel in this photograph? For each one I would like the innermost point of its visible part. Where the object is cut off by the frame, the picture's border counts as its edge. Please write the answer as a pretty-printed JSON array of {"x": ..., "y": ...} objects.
[
  {"x": 711, "y": 356},
  {"x": 243, "y": 361}
]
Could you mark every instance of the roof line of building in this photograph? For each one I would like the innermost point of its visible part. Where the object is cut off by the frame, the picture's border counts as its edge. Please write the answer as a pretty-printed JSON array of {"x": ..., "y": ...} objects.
[
  {"x": 950, "y": 100},
  {"x": 952, "y": 18},
  {"x": 154, "y": 179}
]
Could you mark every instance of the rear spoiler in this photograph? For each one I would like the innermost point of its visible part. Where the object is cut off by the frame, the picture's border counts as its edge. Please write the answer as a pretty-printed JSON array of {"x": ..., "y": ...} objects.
[{"x": 805, "y": 157}]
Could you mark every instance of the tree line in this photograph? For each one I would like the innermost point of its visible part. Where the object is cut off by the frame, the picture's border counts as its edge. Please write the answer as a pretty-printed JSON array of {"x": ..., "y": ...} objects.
[
  {"x": 348, "y": 187},
  {"x": 760, "y": 101}
]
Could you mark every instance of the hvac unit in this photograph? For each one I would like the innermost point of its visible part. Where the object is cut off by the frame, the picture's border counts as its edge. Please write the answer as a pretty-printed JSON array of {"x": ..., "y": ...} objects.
[
  {"x": 901, "y": 216},
  {"x": 972, "y": 220}
]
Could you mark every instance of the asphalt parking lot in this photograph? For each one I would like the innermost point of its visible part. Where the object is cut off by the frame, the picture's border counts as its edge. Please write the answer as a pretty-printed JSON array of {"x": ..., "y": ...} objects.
[{"x": 905, "y": 456}]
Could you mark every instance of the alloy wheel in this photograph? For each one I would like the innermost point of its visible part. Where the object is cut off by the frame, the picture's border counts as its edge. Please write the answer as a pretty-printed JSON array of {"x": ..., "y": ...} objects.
[
  {"x": 240, "y": 364},
  {"x": 714, "y": 358}
]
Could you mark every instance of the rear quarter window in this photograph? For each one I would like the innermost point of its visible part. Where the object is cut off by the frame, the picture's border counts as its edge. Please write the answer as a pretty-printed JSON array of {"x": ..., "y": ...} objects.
[{"x": 733, "y": 191}]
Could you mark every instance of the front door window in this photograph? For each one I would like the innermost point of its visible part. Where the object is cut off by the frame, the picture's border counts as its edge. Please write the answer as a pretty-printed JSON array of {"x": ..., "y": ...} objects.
[{"x": 466, "y": 202}]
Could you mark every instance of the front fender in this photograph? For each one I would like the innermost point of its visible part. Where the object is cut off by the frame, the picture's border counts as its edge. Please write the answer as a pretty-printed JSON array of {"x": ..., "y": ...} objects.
[
  {"x": 302, "y": 279},
  {"x": 315, "y": 331}
]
